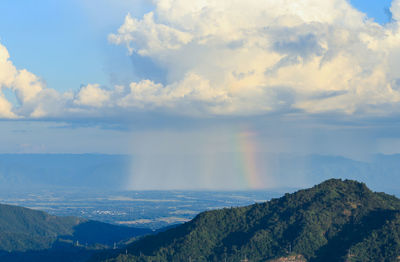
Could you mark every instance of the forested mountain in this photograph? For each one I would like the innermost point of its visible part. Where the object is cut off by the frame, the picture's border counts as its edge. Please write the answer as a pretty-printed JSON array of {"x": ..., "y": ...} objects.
[
  {"x": 25, "y": 232},
  {"x": 333, "y": 221}
]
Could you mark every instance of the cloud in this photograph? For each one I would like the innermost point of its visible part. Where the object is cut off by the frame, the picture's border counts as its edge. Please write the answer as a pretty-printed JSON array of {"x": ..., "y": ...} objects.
[
  {"x": 26, "y": 86},
  {"x": 235, "y": 58},
  {"x": 147, "y": 37},
  {"x": 5, "y": 108},
  {"x": 252, "y": 57},
  {"x": 92, "y": 95},
  {"x": 395, "y": 10},
  {"x": 23, "y": 83}
]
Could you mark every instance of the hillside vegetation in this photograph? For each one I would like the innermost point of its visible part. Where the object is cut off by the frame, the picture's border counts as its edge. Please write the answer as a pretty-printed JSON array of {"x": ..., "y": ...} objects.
[
  {"x": 333, "y": 221},
  {"x": 25, "y": 233}
]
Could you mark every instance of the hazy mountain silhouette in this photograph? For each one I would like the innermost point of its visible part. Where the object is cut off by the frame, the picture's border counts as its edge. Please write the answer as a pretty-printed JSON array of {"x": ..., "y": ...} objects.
[{"x": 99, "y": 172}]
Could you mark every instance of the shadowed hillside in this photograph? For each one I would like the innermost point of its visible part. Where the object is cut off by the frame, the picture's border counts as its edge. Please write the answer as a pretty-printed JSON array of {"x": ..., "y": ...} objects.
[{"x": 28, "y": 233}]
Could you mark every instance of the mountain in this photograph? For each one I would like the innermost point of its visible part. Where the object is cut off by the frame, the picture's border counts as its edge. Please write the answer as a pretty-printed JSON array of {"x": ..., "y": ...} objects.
[
  {"x": 96, "y": 171},
  {"x": 111, "y": 172},
  {"x": 25, "y": 233},
  {"x": 379, "y": 171},
  {"x": 334, "y": 221}
]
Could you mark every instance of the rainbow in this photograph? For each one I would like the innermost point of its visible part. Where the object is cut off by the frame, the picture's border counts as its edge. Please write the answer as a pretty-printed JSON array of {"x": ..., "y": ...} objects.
[{"x": 252, "y": 175}]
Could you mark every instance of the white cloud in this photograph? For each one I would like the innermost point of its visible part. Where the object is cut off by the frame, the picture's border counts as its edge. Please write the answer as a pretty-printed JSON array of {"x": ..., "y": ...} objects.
[
  {"x": 7, "y": 70},
  {"x": 26, "y": 86},
  {"x": 193, "y": 89},
  {"x": 236, "y": 58},
  {"x": 147, "y": 37},
  {"x": 262, "y": 56},
  {"x": 92, "y": 95},
  {"x": 395, "y": 9},
  {"x": 6, "y": 108},
  {"x": 35, "y": 100}
]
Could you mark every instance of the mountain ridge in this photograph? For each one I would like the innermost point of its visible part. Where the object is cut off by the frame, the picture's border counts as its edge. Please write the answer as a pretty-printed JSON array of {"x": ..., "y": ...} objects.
[
  {"x": 21, "y": 172},
  {"x": 25, "y": 232},
  {"x": 337, "y": 220}
]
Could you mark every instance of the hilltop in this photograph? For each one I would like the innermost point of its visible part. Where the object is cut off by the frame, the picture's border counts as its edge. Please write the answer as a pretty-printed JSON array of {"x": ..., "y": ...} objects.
[{"x": 334, "y": 221}]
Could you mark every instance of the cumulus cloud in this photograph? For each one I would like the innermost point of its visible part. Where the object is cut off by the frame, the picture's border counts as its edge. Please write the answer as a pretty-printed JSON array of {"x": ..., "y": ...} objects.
[
  {"x": 92, "y": 95},
  {"x": 147, "y": 37},
  {"x": 236, "y": 58},
  {"x": 23, "y": 83},
  {"x": 262, "y": 56},
  {"x": 34, "y": 100},
  {"x": 395, "y": 9}
]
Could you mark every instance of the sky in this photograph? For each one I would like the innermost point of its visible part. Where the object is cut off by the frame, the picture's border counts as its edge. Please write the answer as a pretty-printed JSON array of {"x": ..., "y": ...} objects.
[{"x": 173, "y": 81}]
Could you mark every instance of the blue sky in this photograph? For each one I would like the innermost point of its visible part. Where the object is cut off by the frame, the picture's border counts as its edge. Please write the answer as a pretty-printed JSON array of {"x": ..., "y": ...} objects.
[
  {"x": 378, "y": 10},
  {"x": 172, "y": 78},
  {"x": 65, "y": 42}
]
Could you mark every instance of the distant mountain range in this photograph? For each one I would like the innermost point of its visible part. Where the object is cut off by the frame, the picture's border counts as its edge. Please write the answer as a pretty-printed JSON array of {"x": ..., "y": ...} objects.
[
  {"x": 30, "y": 171},
  {"x": 333, "y": 221},
  {"x": 30, "y": 235},
  {"x": 99, "y": 172},
  {"x": 380, "y": 172}
]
